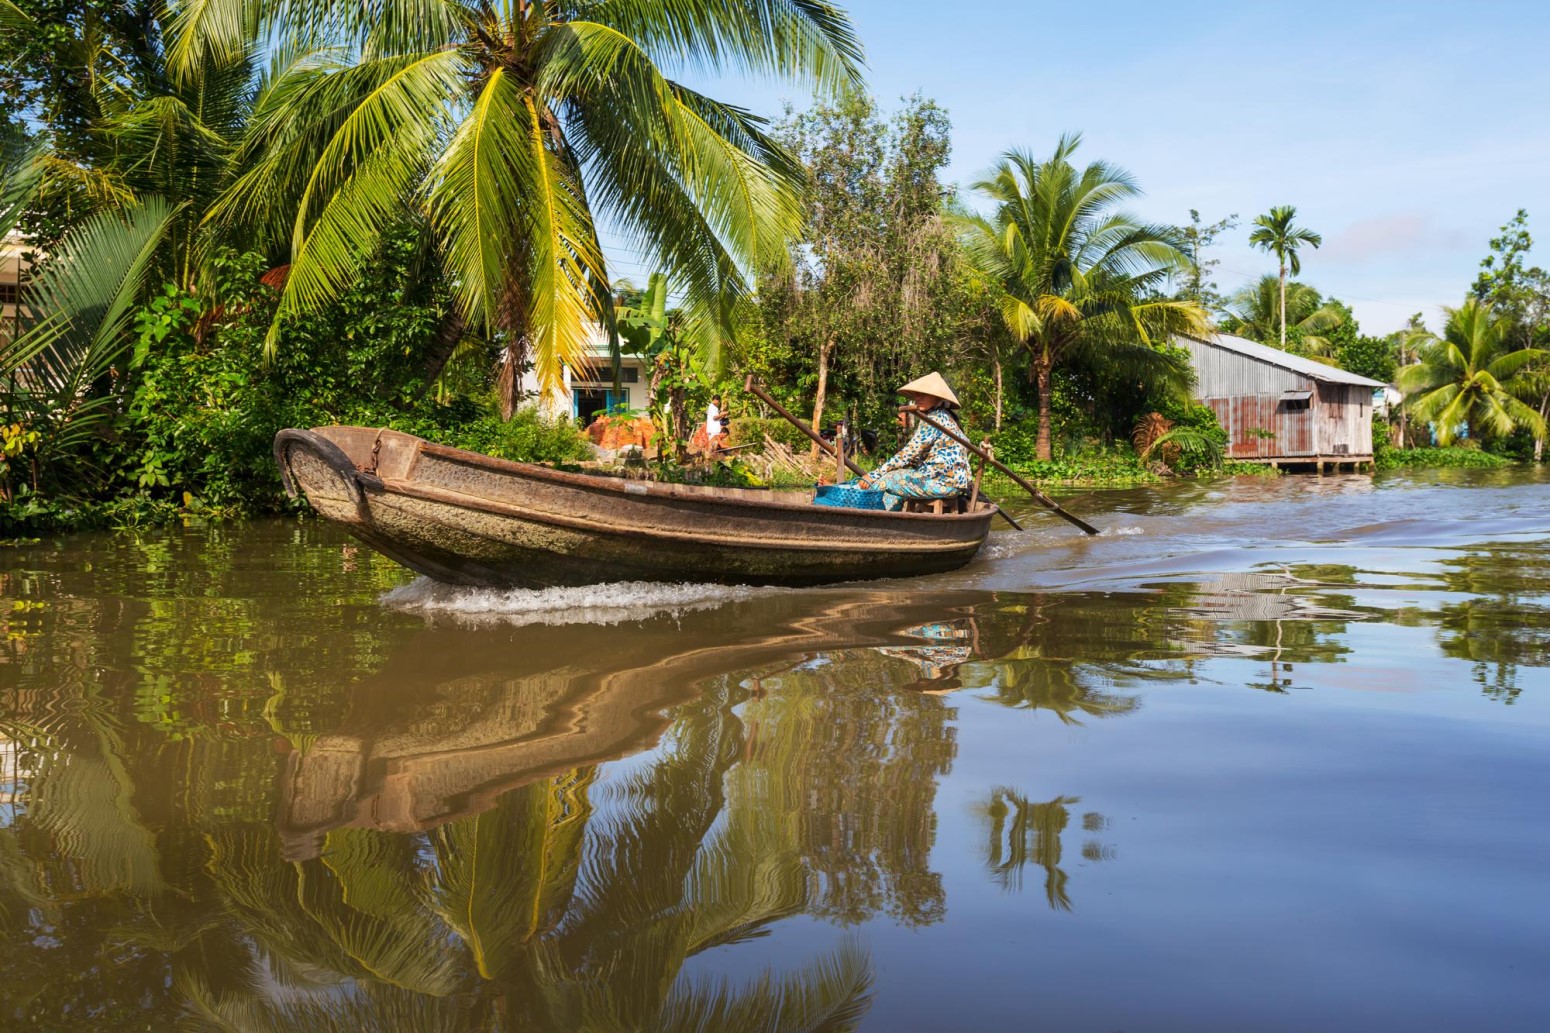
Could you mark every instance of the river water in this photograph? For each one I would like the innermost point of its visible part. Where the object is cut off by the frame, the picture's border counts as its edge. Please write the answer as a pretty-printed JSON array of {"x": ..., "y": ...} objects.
[{"x": 1267, "y": 755}]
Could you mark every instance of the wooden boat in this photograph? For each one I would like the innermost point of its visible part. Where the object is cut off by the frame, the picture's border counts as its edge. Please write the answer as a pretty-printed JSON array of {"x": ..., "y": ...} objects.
[{"x": 471, "y": 519}]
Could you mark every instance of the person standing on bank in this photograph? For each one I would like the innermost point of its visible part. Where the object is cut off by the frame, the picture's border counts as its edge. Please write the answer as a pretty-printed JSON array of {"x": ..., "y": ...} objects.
[
  {"x": 713, "y": 425},
  {"x": 931, "y": 465}
]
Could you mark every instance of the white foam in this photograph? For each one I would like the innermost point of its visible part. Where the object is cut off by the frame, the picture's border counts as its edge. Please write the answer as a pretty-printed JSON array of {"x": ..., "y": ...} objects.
[
  {"x": 612, "y": 603},
  {"x": 1121, "y": 531}
]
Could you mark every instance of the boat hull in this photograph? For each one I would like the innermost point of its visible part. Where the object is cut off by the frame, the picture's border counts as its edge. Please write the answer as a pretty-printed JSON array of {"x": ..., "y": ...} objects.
[{"x": 470, "y": 519}]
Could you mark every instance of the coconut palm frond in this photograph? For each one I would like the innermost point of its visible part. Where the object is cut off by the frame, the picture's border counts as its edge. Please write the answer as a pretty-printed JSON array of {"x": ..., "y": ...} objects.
[
  {"x": 1470, "y": 377},
  {"x": 22, "y": 167},
  {"x": 86, "y": 293},
  {"x": 1200, "y": 446},
  {"x": 494, "y": 911},
  {"x": 518, "y": 134},
  {"x": 13, "y": 17},
  {"x": 376, "y": 1008},
  {"x": 1255, "y": 313}
]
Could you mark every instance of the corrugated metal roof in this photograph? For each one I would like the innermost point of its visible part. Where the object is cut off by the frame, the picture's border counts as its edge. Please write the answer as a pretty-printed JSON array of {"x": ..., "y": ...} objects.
[{"x": 1286, "y": 360}]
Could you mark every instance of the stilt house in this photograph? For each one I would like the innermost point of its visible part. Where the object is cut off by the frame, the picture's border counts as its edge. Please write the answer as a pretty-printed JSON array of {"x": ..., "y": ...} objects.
[{"x": 1281, "y": 408}]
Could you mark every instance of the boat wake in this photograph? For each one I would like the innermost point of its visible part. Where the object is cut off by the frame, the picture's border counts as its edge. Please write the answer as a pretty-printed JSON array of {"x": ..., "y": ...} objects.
[{"x": 614, "y": 603}]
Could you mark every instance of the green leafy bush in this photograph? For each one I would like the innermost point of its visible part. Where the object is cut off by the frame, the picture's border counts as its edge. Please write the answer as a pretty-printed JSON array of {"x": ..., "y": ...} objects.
[
  {"x": 1439, "y": 458},
  {"x": 527, "y": 437},
  {"x": 199, "y": 405},
  {"x": 1112, "y": 467},
  {"x": 750, "y": 429}
]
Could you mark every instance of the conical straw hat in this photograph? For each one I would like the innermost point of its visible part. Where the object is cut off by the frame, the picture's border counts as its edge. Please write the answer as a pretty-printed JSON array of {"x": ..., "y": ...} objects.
[{"x": 932, "y": 384}]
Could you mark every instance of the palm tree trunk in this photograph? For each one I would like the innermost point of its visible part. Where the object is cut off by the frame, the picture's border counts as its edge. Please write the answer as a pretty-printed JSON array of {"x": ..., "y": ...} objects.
[
  {"x": 998, "y": 391},
  {"x": 448, "y": 334},
  {"x": 1539, "y": 441},
  {"x": 1041, "y": 376},
  {"x": 824, "y": 352},
  {"x": 508, "y": 382},
  {"x": 1283, "y": 305},
  {"x": 679, "y": 413},
  {"x": 653, "y": 389},
  {"x": 513, "y": 313}
]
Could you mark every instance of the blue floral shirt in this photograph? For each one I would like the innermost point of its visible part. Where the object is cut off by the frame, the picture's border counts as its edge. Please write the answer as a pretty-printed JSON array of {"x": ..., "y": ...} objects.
[{"x": 938, "y": 465}]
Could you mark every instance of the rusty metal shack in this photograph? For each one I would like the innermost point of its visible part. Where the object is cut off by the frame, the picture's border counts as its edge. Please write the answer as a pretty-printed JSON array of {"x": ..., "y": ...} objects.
[{"x": 1281, "y": 408}]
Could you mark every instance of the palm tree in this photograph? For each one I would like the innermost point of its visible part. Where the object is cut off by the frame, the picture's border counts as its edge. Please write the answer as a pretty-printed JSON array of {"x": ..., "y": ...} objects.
[
  {"x": 516, "y": 127},
  {"x": 1257, "y": 309},
  {"x": 1275, "y": 233},
  {"x": 1468, "y": 377},
  {"x": 1078, "y": 280}
]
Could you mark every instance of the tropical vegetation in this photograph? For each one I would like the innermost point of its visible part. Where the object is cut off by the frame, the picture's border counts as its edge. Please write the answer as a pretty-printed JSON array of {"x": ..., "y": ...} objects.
[
  {"x": 1075, "y": 279},
  {"x": 1468, "y": 379},
  {"x": 238, "y": 217},
  {"x": 1295, "y": 311}
]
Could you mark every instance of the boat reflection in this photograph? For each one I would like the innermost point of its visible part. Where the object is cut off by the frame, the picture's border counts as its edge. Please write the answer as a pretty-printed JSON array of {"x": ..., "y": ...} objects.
[{"x": 459, "y": 717}]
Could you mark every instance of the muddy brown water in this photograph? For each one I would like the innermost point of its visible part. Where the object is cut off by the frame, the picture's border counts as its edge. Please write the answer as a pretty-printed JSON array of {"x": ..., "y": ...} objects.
[{"x": 1267, "y": 755}]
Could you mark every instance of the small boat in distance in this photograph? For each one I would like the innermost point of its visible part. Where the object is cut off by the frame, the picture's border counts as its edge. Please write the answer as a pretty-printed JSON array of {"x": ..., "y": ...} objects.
[{"x": 471, "y": 519}]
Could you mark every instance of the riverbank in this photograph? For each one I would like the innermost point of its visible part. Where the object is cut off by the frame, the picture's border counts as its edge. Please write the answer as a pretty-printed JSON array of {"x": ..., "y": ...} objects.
[{"x": 235, "y": 480}]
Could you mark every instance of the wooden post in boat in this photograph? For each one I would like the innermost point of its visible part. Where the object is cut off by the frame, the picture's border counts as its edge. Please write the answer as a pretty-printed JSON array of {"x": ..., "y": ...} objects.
[
  {"x": 839, "y": 452},
  {"x": 979, "y": 471}
]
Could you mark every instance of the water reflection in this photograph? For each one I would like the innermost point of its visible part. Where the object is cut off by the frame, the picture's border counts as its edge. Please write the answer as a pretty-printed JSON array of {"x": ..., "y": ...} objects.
[
  {"x": 1020, "y": 833},
  {"x": 228, "y": 806},
  {"x": 1502, "y": 621}
]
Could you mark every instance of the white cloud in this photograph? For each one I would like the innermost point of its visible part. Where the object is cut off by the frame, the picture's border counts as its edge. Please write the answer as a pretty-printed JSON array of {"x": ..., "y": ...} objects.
[{"x": 1396, "y": 234}]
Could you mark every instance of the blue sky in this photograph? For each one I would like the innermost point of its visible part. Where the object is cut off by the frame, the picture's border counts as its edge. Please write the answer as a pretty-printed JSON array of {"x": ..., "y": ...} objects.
[{"x": 1405, "y": 132}]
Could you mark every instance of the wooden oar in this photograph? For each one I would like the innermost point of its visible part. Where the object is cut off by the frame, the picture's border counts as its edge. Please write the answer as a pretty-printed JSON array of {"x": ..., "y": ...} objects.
[
  {"x": 764, "y": 396},
  {"x": 1039, "y": 496}
]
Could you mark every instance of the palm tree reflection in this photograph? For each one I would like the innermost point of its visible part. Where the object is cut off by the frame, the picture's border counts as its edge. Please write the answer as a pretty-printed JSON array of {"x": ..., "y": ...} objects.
[{"x": 1021, "y": 832}]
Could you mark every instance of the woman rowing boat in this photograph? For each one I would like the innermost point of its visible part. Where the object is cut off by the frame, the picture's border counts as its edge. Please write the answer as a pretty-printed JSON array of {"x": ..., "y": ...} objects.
[{"x": 931, "y": 465}]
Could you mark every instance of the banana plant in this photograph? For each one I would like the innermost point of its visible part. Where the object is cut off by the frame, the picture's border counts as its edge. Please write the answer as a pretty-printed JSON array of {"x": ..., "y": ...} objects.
[{"x": 663, "y": 338}]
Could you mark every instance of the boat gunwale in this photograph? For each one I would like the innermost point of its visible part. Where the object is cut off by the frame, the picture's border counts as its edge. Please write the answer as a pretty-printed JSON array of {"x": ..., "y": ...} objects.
[
  {"x": 496, "y": 507},
  {"x": 649, "y": 489}
]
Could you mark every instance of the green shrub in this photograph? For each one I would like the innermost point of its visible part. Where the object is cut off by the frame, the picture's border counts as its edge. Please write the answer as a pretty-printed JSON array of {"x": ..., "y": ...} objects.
[
  {"x": 1466, "y": 455},
  {"x": 1114, "y": 467},
  {"x": 1016, "y": 443},
  {"x": 199, "y": 405},
  {"x": 749, "y": 429},
  {"x": 527, "y": 437},
  {"x": 1439, "y": 458}
]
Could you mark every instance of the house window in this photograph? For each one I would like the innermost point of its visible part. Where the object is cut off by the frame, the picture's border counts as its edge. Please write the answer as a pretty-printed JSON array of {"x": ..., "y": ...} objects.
[
  {"x": 1296, "y": 401},
  {"x": 604, "y": 374}
]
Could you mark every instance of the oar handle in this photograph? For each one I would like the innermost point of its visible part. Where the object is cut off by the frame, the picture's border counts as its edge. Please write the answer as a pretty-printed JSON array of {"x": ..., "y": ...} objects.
[{"x": 764, "y": 396}]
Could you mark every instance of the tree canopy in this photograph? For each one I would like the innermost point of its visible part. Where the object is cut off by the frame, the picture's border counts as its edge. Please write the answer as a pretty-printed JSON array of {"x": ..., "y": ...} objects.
[{"x": 1076, "y": 278}]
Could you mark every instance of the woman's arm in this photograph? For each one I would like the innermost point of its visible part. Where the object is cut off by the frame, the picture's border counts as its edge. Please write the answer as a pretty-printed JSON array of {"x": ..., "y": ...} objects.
[{"x": 914, "y": 451}]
